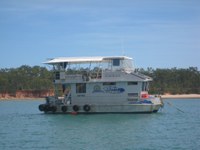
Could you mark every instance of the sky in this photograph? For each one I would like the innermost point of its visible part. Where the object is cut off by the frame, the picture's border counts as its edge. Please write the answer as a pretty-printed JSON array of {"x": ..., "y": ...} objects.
[{"x": 155, "y": 33}]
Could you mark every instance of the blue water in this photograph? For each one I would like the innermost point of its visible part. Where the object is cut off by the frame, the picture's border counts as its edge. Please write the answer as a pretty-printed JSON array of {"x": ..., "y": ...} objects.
[{"x": 24, "y": 127}]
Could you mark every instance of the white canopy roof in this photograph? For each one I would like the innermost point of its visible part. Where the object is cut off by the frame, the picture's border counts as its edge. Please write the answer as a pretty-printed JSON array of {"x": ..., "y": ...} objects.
[{"x": 83, "y": 59}]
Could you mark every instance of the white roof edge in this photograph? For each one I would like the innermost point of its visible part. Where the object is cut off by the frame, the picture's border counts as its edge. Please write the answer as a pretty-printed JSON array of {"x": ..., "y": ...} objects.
[
  {"x": 83, "y": 59},
  {"x": 116, "y": 57}
]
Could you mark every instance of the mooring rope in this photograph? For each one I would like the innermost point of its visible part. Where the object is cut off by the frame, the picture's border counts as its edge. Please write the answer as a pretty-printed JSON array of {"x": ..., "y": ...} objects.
[{"x": 175, "y": 107}]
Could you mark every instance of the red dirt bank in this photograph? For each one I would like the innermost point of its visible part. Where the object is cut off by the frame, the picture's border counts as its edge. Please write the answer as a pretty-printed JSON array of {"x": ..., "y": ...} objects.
[{"x": 27, "y": 94}]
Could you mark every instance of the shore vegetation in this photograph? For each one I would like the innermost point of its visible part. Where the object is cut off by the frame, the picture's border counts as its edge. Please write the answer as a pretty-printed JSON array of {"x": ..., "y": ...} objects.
[{"x": 37, "y": 79}]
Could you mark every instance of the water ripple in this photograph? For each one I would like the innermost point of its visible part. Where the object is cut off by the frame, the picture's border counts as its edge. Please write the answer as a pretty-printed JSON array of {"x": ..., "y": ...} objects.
[{"x": 23, "y": 127}]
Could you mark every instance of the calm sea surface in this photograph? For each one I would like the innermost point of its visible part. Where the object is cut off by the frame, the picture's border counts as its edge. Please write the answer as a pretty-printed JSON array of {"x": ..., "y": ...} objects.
[{"x": 24, "y": 127}]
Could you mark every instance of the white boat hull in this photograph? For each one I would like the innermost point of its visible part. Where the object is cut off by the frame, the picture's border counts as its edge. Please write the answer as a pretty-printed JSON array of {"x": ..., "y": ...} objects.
[{"x": 131, "y": 108}]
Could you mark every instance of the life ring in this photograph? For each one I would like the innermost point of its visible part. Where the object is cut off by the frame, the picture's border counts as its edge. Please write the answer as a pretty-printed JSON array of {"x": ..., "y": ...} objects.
[
  {"x": 76, "y": 108},
  {"x": 64, "y": 109},
  {"x": 86, "y": 108}
]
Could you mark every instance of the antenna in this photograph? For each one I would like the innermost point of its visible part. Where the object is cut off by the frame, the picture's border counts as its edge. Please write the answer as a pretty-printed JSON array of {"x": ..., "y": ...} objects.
[{"x": 122, "y": 47}]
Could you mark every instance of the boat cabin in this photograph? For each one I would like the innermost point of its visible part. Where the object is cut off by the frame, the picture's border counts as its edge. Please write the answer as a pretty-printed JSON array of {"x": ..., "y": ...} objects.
[{"x": 98, "y": 80}]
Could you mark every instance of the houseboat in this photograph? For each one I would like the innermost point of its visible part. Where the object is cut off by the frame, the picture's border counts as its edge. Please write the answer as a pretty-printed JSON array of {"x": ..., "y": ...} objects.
[{"x": 99, "y": 85}]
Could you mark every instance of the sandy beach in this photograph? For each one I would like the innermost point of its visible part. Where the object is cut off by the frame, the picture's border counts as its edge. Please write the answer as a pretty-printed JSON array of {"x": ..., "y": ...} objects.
[{"x": 181, "y": 96}]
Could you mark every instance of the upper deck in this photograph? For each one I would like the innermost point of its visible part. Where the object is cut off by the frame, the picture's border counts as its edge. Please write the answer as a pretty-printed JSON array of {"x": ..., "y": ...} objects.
[
  {"x": 110, "y": 63},
  {"x": 95, "y": 69}
]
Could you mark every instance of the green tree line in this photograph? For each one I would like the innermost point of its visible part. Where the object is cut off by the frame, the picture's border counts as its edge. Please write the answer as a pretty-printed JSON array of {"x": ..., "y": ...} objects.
[
  {"x": 173, "y": 81},
  {"x": 25, "y": 78}
]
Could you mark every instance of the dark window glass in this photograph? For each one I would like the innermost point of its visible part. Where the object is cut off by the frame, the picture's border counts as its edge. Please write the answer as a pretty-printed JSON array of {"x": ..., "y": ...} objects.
[
  {"x": 116, "y": 62},
  {"x": 133, "y": 94},
  {"x": 145, "y": 86},
  {"x": 57, "y": 75},
  {"x": 109, "y": 83},
  {"x": 132, "y": 83},
  {"x": 81, "y": 88}
]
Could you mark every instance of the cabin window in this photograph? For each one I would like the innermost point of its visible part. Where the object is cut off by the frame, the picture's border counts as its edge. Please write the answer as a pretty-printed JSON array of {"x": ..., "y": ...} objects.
[
  {"x": 145, "y": 86},
  {"x": 81, "y": 88},
  {"x": 109, "y": 83},
  {"x": 57, "y": 75},
  {"x": 133, "y": 94},
  {"x": 132, "y": 83},
  {"x": 116, "y": 62}
]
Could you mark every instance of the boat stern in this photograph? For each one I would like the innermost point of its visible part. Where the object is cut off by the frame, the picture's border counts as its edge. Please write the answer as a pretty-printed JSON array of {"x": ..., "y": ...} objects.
[{"x": 155, "y": 100}]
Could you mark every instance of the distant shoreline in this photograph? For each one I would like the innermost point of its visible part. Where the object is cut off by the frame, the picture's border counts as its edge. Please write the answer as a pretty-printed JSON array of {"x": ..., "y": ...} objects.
[
  {"x": 167, "y": 96},
  {"x": 24, "y": 98},
  {"x": 181, "y": 96}
]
